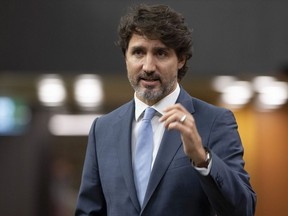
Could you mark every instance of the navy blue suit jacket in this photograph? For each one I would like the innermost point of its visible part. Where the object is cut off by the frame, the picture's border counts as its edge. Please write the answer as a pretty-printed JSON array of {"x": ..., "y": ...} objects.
[{"x": 175, "y": 187}]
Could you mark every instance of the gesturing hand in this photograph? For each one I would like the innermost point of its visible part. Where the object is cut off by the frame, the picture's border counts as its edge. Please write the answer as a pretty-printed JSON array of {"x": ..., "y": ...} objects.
[{"x": 178, "y": 118}]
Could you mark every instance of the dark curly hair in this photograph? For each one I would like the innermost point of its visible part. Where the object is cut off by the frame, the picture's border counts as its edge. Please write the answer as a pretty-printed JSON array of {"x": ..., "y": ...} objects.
[{"x": 158, "y": 22}]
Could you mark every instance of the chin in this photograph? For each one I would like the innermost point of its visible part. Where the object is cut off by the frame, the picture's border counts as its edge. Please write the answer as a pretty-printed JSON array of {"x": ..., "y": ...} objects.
[{"x": 151, "y": 94}]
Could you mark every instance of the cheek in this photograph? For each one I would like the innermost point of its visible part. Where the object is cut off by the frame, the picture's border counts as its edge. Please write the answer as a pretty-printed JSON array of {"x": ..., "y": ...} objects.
[
  {"x": 172, "y": 69},
  {"x": 132, "y": 66},
  {"x": 129, "y": 67},
  {"x": 131, "y": 71}
]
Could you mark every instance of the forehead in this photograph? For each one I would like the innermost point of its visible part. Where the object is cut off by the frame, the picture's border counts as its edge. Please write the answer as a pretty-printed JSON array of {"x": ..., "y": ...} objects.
[{"x": 142, "y": 41}]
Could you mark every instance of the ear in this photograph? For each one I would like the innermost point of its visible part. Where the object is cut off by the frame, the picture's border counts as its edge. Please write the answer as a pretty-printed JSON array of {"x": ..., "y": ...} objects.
[{"x": 181, "y": 62}]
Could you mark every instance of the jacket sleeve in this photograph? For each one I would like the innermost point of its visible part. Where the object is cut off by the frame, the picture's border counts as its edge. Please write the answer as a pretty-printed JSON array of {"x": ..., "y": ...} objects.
[
  {"x": 91, "y": 200},
  {"x": 227, "y": 186}
]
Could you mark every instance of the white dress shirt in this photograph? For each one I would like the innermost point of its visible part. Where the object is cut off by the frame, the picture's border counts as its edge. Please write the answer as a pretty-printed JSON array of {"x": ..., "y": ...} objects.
[{"x": 157, "y": 127}]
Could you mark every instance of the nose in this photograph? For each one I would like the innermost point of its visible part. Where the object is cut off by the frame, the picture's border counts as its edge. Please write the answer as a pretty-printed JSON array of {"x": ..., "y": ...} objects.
[{"x": 149, "y": 64}]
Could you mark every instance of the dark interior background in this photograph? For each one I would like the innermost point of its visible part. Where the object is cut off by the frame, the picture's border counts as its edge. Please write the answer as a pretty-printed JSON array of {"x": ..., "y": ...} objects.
[{"x": 68, "y": 36}]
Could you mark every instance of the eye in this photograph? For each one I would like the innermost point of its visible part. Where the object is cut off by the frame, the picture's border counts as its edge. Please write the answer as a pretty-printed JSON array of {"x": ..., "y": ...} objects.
[
  {"x": 162, "y": 53},
  {"x": 138, "y": 52}
]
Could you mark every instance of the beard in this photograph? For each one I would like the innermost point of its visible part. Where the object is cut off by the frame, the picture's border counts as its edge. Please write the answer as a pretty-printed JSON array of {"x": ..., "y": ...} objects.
[{"x": 151, "y": 93}]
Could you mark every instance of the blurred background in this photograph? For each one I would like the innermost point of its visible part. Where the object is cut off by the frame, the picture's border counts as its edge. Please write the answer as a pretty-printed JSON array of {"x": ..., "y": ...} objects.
[{"x": 60, "y": 68}]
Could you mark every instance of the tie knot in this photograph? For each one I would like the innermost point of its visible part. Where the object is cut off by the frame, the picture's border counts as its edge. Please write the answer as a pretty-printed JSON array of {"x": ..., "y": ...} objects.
[{"x": 149, "y": 113}]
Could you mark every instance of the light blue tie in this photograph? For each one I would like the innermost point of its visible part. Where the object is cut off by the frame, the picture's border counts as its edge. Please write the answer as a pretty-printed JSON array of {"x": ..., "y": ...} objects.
[{"x": 143, "y": 154}]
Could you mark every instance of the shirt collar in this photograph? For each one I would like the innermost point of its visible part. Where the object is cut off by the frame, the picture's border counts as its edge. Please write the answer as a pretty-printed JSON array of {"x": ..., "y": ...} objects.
[{"x": 159, "y": 106}]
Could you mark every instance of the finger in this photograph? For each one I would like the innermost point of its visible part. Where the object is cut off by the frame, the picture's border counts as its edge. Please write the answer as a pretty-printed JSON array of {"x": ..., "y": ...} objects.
[
  {"x": 182, "y": 119},
  {"x": 171, "y": 110},
  {"x": 167, "y": 115},
  {"x": 176, "y": 125},
  {"x": 170, "y": 118}
]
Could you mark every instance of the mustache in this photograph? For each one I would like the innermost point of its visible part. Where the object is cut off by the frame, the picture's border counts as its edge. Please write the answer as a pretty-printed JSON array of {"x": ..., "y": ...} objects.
[{"x": 149, "y": 76}]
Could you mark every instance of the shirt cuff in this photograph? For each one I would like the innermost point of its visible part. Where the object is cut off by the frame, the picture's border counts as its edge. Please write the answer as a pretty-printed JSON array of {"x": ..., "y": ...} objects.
[{"x": 204, "y": 171}]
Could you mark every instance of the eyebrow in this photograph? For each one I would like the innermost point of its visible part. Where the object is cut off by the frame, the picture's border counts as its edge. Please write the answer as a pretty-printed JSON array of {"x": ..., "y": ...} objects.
[{"x": 136, "y": 47}]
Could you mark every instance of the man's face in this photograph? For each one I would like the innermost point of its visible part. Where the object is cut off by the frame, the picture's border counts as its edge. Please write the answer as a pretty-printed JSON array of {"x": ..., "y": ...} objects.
[{"x": 152, "y": 68}]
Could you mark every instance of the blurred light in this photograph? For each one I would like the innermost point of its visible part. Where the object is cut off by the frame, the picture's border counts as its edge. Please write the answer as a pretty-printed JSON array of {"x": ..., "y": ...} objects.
[
  {"x": 71, "y": 125},
  {"x": 261, "y": 82},
  {"x": 14, "y": 116},
  {"x": 7, "y": 109},
  {"x": 237, "y": 94},
  {"x": 220, "y": 83},
  {"x": 88, "y": 91},
  {"x": 51, "y": 90},
  {"x": 273, "y": 95},
  {"x": 270, "y": 93}
]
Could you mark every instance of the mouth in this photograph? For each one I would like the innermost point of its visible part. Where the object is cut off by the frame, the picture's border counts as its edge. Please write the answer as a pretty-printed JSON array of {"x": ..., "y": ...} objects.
[
  {"x": 146, "y": 77},
  {"x": 149, "y": 82}
]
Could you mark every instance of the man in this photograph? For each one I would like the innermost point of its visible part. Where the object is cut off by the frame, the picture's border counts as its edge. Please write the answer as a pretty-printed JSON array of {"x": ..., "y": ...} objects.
[{"x": 195, "y": 166}]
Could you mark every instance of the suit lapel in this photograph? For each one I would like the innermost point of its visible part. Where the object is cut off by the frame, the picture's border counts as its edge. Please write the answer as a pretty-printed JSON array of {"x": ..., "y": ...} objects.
[
  {"x": 169, "y": 146},
  {"x": 122, "y": 130},
  {"x": 170, "y": 143}
]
